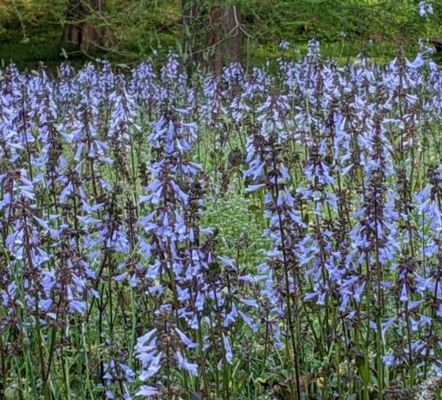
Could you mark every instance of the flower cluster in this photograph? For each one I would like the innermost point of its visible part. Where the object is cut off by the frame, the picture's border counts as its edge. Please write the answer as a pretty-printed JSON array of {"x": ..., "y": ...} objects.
[{"x": 127, "y": 272}]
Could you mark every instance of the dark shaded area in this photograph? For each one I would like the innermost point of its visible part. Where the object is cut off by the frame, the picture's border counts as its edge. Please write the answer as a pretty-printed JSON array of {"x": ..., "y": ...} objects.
[{"x": 209, "y": 32}]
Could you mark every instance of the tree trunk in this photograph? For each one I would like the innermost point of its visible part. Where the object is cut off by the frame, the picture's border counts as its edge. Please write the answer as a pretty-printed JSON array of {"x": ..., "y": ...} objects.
[
  {"x": 215, "y": 39},
  {"x": 79, "y": 30},
  {"x": 212, "y": 34},
  {"x": 233, "y": 44},
  {"x": 225, "y": 37}
]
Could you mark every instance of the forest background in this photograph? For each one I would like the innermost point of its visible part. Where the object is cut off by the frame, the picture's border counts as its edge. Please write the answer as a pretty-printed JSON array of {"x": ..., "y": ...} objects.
[{"x": 208, "y": 31}]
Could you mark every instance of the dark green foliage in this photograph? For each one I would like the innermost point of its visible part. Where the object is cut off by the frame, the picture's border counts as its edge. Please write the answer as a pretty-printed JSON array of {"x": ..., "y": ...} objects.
[{"x": 31, "y": 30}]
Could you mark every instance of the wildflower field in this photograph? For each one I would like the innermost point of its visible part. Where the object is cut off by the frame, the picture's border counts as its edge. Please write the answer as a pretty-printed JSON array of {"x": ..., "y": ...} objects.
[{"x": 265, "y": 234}]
